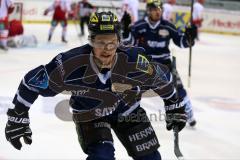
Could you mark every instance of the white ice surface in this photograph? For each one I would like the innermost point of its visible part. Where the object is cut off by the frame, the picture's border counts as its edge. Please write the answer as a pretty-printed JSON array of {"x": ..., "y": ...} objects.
[{"x": 215, "y": 94}]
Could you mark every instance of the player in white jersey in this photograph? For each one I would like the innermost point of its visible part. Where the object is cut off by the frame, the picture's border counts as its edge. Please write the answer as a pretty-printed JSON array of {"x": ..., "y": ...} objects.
[
  {"x": 131, "y": 6},
  {"x": 198, "y": 14},
  {"x": 6, "y": 7},
  {"x": 168, "y": 10}
]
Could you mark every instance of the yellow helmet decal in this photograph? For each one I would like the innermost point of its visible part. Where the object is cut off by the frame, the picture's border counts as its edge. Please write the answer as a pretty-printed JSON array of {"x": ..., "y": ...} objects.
[
  {"x": 157, "y": 2},
  {"x": 94, "y": 18},
  {"x": 149, "y": 1},
  {"x": 115, "y": 19},
  {"x": 106, "y": 27}
]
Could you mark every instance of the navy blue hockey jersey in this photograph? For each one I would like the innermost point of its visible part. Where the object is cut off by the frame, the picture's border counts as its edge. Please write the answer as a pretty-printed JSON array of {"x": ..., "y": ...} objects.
[
  {"x": 75, "y": 72},
  {"x": 155, "y": 38}
]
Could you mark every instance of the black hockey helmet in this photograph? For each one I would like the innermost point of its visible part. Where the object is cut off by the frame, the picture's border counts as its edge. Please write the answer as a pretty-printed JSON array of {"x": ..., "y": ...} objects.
[
  {"x": 153, "y": 4},
  {"x": 103, "y": 23}
]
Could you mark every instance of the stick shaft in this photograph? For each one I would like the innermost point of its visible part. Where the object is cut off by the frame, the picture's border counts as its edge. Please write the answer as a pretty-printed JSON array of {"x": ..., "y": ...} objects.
[
  {"x": 177, "y": 151},
  {"x": 190, "y": 48}
]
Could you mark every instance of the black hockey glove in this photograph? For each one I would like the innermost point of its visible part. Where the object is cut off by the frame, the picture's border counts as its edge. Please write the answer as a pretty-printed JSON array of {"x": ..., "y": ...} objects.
[
  {"x": 126, "y": 21},
  {"x": 18, "y": 126},
  {"x": 176, "y": 117},
  {"x": 191, "y": 34}
]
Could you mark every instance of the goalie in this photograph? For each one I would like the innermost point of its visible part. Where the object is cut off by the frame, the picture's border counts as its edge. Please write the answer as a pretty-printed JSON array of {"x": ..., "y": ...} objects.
[
  {"x": 6, "y": 7},
  {"x": 16, "y": 37}
]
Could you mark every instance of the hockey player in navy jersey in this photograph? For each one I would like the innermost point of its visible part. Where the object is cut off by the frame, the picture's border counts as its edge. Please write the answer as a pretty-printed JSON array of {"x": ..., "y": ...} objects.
[
  {"x": 154, "y": 35},
  {"x": 101, "y": 75}
]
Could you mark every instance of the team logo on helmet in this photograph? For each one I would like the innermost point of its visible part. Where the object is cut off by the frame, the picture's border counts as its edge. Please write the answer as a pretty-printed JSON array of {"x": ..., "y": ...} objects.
[{"x": 106, "y": 18}]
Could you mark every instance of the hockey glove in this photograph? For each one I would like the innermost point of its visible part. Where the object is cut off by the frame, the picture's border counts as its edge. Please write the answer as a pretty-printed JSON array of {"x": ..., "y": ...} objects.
[
  {"x": 191, "y": 34},
  {"x": 18, "y": 126},
  {"x": 45, "y": 12},
  {"x": 176, "y": 117},
  {"x": 126, "y": 21},
  {"x": 10, "y": 9}
]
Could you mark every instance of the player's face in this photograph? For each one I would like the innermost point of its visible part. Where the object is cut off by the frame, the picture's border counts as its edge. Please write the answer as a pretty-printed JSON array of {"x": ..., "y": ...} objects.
[
  {"x": 104, "y": 48},
  {"x": 155, "y": 14}
]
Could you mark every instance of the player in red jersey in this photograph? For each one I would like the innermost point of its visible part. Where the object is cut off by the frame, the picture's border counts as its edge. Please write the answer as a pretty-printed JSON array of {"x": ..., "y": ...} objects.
[{"x": 61, "y": 9}]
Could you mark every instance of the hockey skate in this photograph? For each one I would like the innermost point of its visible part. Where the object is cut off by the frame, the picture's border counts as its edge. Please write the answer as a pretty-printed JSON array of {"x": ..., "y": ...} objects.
[
  {"x": 5, "y": 48},
  {"x": 192, "y": 122},
  {"x": 49, "y": 38},
  {"x": 64, "y": 40},
  {"x": 189, "y": 110}
]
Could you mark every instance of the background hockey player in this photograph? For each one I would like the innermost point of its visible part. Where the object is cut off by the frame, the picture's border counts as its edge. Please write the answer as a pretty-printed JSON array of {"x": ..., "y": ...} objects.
[
  {"x": 154, "y": 34},
  {"x": 6, "y": 7},
  {"x": 101, "y": 67},
  {"x": 198, "y": 14},
  {"x": 84, "y": 11},
  {"x": 61, "y": 9},
  {"x": 168, "y": 10},
  {"x": 17, "y": 38},
  {"x": 131, "y": 7}
]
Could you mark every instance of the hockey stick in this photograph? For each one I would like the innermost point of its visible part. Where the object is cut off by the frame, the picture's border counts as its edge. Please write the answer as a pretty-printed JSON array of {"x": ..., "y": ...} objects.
[
  {"x": 177, "y": 151},
  {"x": 190, "y": 49}
]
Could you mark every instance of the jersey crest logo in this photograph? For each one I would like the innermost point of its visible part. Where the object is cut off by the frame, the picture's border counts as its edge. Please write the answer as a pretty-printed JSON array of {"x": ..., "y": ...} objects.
[
  {"x": 40, "y": 80},
  {"x": 163, "y": 32},
  {"x": 120, "y": 87},
  {"x": 143, "y": 64}
]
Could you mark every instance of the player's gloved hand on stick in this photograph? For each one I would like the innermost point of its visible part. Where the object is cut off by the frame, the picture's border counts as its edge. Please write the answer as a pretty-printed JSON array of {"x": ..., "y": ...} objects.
[
  {"x": 126, "y": 21},
  {"x": 176, "y": 117},
  {"x": 191, "y": 34},
  {"x": 18, "y": 126}
]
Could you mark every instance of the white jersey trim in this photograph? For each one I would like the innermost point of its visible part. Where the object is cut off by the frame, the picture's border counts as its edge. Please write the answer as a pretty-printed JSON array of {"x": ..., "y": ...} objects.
[
  {"x": 131, "y": 109},
  {"x": 166, "y": 55},
  {"x": 23, "y": 101},
  {"x": 28, "y": 87},
  {"x": 150, "y": 25}
]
